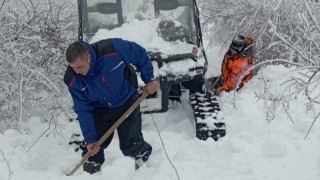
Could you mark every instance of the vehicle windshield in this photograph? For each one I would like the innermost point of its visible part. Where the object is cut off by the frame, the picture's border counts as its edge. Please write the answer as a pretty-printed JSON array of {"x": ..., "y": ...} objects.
[{"x": 176, "y": 16}]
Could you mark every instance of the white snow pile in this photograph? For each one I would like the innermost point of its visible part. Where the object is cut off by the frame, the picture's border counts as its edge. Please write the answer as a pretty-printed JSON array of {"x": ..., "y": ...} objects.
[
  {"x": 252, "y": 149},
  {"x": 145, "y": 33}
]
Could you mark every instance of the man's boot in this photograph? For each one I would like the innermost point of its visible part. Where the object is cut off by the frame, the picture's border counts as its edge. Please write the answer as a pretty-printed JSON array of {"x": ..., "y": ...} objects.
[
  {"x": 91, "y": 167},
  {"x": 140, "y": 159}
]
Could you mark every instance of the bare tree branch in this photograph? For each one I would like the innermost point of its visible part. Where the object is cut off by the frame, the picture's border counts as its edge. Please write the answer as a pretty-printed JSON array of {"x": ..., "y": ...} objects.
[
  {"x": 2, "y": 4},
  {"x": 51, "y": 120},
  {"x": 10, "y": 172},
  {"x": 315, "y": 119}
]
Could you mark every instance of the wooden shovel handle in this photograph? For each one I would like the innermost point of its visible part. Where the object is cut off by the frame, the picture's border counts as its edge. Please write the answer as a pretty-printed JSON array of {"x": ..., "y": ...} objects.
[{"x": 110, "y": 131}]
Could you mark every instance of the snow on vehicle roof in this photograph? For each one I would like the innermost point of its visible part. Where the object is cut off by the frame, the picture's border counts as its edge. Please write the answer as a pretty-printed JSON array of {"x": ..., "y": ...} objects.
[{"x": 145, "y": 34}]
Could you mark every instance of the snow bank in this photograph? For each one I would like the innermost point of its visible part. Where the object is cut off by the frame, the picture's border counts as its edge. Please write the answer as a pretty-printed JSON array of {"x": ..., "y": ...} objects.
[{"x": 252, "y": 149}]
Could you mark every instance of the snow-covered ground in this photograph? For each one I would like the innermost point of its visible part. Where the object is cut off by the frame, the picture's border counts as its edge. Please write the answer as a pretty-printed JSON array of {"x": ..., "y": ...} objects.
[{"x": 253, "y": 149}]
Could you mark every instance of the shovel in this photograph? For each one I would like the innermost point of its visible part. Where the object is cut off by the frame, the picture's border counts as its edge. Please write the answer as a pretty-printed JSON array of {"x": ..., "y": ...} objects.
[{"x": 109, "y": 132}]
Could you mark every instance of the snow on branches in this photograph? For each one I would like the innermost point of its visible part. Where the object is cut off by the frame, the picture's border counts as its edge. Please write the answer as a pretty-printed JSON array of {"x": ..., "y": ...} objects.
[
  {"x": 223, "y": 19},
  {"x": 286, "y": 32},
  {"x": 33, "y": 38},
  {"x": 302, "y": 46}
]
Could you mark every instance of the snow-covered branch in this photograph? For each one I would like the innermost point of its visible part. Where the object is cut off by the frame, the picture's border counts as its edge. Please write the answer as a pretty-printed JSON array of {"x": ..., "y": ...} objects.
[
  {"x": 223, "y": 19},
  {"x": 290, "y": 44},
  {"x": 311, "y": 15},
  {"x": 286, "y": 32},
  {"x": 33, "y": 37}
]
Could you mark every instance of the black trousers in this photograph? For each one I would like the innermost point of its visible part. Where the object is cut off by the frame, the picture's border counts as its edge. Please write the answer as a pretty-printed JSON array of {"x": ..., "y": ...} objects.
[{"x": 129, "y": 132}]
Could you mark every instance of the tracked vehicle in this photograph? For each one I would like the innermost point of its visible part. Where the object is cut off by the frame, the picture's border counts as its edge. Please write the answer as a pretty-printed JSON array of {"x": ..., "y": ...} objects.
[{"x": 171, "y": 33}]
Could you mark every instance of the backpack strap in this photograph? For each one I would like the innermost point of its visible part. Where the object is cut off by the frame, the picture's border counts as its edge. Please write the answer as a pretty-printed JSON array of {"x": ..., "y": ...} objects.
[
  {"x": 103, "y": 47},
  {"x": 131, "y": 75}
]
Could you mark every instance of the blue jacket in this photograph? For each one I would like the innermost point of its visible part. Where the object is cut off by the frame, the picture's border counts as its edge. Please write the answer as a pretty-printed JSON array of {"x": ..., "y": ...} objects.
[{"x": 105, "y": 84}]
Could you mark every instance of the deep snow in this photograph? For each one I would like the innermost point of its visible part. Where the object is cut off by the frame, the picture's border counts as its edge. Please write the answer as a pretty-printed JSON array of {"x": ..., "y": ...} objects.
[{"x": 253, "y": 149}]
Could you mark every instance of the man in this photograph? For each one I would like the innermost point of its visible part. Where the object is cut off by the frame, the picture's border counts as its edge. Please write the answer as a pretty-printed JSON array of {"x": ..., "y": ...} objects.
[
  {"x": 237, "y": 60},
  {"x": 103, "y": 87}
]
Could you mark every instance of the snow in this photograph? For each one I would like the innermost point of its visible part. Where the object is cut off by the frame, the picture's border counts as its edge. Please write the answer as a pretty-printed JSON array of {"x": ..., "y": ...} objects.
[
  {"x": 252, "y": 149},
  {"x": 145, "y": 33}
]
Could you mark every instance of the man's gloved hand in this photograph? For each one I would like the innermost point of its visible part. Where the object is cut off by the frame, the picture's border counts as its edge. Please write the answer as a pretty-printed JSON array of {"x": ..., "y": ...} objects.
[
  {"x": 152, "y": 86},
  {"x": 91, "y": 149}
]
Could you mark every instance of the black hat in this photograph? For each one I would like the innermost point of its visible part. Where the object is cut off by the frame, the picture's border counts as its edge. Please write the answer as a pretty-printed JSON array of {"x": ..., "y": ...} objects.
[{"x": 238, "y": 43}]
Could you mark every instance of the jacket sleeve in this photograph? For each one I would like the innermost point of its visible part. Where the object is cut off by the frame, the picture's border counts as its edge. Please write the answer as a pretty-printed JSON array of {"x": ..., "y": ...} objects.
[
  {"x": 229, "y": 83},
  {"x": 227, "y": 75},
  {"x": 132, "y": 53},
  {"x": 83, "y": 108}
]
